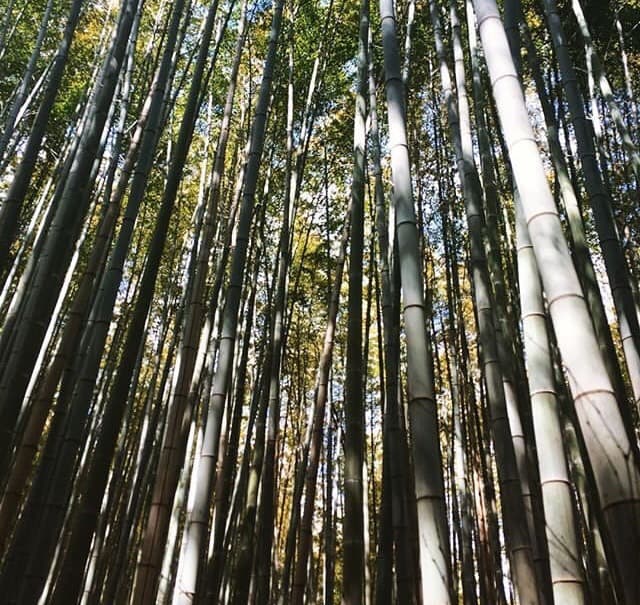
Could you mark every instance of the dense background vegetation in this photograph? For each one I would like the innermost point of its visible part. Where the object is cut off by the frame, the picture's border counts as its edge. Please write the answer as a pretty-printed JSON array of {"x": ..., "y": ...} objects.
[{"x": 231, "y": 370}]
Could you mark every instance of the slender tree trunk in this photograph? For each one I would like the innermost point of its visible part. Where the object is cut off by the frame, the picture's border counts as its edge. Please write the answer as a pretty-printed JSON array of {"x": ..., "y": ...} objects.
[
  {"x": 566, "y": 572},
  {"x": 353, "y": 547},
  {"x": 432, "y": 532},
  {"x": 329, "y": 533}
]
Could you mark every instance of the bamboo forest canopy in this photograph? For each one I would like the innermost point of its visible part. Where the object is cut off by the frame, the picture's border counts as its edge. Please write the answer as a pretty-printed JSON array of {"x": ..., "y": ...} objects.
[{"x": 319, "y": 301}]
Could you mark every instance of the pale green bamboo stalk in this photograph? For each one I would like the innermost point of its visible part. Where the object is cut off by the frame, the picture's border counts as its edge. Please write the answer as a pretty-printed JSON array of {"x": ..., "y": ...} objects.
[
  {"x": 428, "y": 476},
  {"x": 565, "y": 557}
]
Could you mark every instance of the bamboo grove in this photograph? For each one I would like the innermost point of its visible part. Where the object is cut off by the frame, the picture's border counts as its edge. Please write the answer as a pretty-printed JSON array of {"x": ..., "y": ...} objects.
[{"x": 319, "y": 302}]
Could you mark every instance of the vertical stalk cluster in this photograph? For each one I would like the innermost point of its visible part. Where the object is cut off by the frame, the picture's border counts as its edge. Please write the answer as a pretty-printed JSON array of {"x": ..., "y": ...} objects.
[{"x": 297, "y": 307}]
